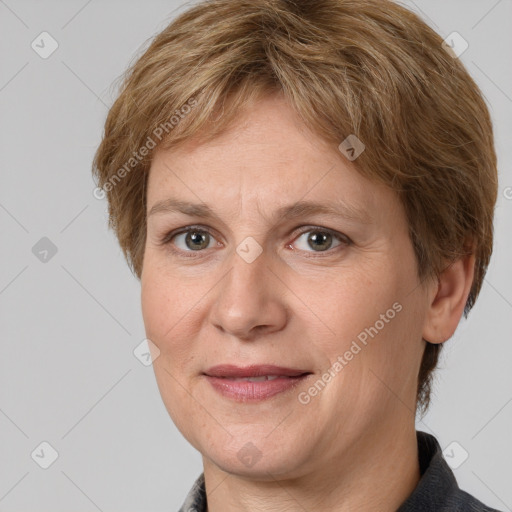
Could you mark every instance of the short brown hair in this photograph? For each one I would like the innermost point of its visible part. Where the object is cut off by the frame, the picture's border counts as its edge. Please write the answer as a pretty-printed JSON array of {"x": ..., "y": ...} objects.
[{"x": 366, "y": 67}]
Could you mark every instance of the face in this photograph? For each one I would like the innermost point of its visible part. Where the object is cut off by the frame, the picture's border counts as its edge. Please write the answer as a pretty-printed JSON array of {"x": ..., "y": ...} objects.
[{"x": 266, "y": 247}]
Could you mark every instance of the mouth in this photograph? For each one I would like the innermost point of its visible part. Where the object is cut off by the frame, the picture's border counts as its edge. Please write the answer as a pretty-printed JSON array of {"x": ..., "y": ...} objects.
[{"x": 253, "y": 383}]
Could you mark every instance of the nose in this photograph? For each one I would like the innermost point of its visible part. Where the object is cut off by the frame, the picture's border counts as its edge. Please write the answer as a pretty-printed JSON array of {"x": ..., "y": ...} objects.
[{"x": 249, "y": 299}]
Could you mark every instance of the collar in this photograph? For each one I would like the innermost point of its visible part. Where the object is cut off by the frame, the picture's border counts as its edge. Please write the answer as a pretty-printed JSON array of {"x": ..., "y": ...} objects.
[{"x": 437, "y": 483}]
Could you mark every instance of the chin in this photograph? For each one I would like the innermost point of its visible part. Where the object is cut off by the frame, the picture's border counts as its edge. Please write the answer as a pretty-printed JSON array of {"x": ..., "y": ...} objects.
[{"x": 258, "y": 458}]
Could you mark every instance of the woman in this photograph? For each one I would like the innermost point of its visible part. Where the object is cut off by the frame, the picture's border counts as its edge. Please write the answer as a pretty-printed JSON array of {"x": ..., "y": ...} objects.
[{"x": 306, "y": 192}]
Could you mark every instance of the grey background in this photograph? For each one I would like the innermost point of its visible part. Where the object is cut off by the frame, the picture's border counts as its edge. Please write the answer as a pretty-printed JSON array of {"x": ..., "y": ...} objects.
[{"x": 69, "y": 325}]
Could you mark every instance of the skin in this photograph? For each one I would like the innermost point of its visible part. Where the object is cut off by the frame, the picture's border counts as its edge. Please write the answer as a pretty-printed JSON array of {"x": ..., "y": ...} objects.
[{"x": 353, "y": 446}]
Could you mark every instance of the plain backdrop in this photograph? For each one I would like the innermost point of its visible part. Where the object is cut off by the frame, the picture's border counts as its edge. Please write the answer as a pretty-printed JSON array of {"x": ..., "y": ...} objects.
[{"x": 70, "y": 307}]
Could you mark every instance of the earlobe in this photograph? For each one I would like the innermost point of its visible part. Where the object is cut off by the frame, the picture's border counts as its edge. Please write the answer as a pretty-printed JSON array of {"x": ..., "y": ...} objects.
[{"x": 448, "y": 300}]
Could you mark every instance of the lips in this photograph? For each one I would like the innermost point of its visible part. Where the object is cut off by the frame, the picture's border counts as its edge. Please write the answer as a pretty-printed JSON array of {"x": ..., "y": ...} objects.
[
  {"x": 253, "y": 383},
  {"x": 229, "y": 371}
]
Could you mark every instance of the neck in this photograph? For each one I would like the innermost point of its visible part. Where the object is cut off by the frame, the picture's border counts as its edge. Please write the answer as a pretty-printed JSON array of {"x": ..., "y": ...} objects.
[{"x": 382, "y": 473}]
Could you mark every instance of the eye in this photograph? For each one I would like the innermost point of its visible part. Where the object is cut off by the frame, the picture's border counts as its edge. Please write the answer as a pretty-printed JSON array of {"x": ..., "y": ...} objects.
[
  {"x": 191, "y": 239},
  {"x": 320, "y": 240}
]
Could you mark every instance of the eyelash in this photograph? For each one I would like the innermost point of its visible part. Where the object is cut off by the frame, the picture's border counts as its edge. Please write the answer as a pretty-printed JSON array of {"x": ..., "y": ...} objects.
[{"x": 167, "y": 239}]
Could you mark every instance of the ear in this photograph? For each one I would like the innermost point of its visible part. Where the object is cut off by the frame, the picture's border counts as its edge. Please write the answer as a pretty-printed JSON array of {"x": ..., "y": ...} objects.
[{"x": 448, "y": 299}]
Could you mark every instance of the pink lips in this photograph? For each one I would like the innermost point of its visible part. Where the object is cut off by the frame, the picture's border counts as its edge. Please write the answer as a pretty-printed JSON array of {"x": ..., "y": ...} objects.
[{"x": 266, "y": 380}]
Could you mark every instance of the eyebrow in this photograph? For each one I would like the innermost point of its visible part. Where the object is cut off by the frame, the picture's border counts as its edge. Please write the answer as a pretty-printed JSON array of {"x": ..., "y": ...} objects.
[{"x": 288, "y": 212}]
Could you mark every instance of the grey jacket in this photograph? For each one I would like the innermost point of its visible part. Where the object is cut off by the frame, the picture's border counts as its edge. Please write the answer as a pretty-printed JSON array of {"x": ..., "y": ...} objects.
[{"x": 437, "y": 490}]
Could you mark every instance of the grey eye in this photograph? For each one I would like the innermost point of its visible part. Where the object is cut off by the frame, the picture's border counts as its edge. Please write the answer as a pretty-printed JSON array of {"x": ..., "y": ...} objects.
[{"x": 317, "y": 240}]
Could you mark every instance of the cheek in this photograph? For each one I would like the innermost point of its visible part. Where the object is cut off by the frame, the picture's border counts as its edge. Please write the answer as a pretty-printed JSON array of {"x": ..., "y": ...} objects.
[
  {"x": 170, "y": 309},
  {"x": 163, "y": 294},
  {"x": 372, "y": 308},
  {"x": 354, "y": 300},
  {"x": 160, "y": 305},
  {"x": 155, "y": 304},
  {"x": 163, "y": 310}
]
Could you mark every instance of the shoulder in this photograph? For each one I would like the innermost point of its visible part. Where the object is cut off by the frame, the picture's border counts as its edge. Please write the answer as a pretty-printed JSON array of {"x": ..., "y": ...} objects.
[
  {"x": 196, "y": 497},
  {"x": 461, "y": 501}
]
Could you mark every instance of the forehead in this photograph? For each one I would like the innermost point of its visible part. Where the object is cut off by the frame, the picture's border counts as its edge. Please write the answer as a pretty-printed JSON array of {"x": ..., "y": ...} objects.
[{"x": 267, "y": 158}]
